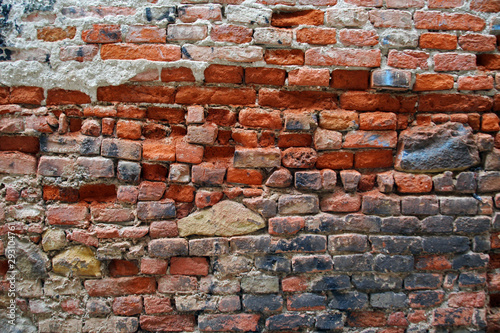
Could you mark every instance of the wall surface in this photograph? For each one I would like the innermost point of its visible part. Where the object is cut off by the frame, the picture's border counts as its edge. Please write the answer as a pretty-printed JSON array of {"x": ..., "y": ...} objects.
[{"x": 259, "y": 165}]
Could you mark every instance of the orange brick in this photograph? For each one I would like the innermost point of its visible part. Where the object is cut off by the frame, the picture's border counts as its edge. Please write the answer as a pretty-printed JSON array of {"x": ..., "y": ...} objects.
[
  {"x": 480, "y": 82},
  {"x": 52, "y": 34},
  {"x": 223, "y": 74},
  {"x": 177, "y": 74},
  {"x": 153, "y": 52},
  {"x": 58, "y": 96},
  {"x": 440, "y": 41},
  {"x": 146, "y": 34},
  {"x": 102, "y": 33},
  {"x": 317, "y": 36},
  {"x": 128, "y": 129},
  {"x": 305, "y": 76},
  {"x": 26, "y": 95},
  {"x": 264, "y": 75},
  {"x": 244, "y": 176},
  {"x": 373, "y": 159},
  {"x": 429, "y": 82},
  {"x": 284, "y": 57},
  {"x": 231, "y": 33},
  {"x": 288, "y": 19},
  {"x": 335, "y": 160}
]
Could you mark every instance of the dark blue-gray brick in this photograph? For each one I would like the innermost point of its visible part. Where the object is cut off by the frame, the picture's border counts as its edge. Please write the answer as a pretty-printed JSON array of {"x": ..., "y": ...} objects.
[
  {"x": 471, "y": 260},
  {"x": 333, "y": 283},
  {"x": 396, "y": 244},
  {"x": 273, "y": 264},
  {"x": 376, "y": 282},
  {"x": 308, "y": 180},
  {"x": 129, "y": 171},
  {"x": 262, "y": 303},
  {"x": 353, "y": 262},
  {"x": 362, "y": 223},
  {"x": 348, "y": 243},
  {"x": 379, "y": 204},
  {"x": 496, "y": 222},
  {"x": 471, "y": 280},
  {"x": 437, "y": 224},
  {"x": 289, "y": 321},
  {"x": 306, "y": 302},
  {"x": 422, "y": 205},
  {"x": 452, "y": 244},
  {"x": 388, "y": 300},
  {"x": 324, "y": 224},
  {"x": 329, "y": 321},
  {"x": 397, "y": 263},
  {"x": 426, "y": 298},
  {"x": 466, "y": 182},
  {"x": 155, "y": 210},
  {"x": 352, "y": 300},
  {"x": 418, "y": 281},
  {"x": 481, "y": 244},
  {"x": 250, "y": 244},
  {"x": 458, "y": 206},
  {"x": 472, "y": 225},
  {"x": 302, "y": 243},
  {"x": 312, "y": 264},
  {"x": 405, "y": 225},
  {"x": 488, "y": 181}
]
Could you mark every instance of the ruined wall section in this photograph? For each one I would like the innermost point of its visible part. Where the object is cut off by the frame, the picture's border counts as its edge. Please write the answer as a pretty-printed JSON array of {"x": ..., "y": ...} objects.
[{"x": 269, "y": 165}]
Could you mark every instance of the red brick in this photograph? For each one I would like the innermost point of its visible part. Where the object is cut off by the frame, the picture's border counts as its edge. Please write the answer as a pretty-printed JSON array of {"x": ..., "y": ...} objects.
[
  {"x": 189, "y": 266},
  {"x": 335, "y": 160},
  {"x": 286, "y": 140},
  {"x": 26, "y": 95},
  {"x": 477, "y": 42},
  {"x": 136, "y": 94},
  {"x": 118, "y": 268},
  {"x": 350, "y": 79},
  {"x": 78, "y": 53},
  {"x": 434, "y": 20},
  {"x": 358, "y": 37},
  {"x": 440, "y": 41},
  {"x": 370, "y": 139},
  {"x": 489, "y": 61},
  {"x": 229, "y": 323},
  {"x": 223, "y": 74},
  {"x": 180, "y": 193},
  {"x": 373, "y": 159},
  {"x": 231, "y": 33},
  {"x": 454, "y": 103},
  {"x": 341, "y": 202},
  {"x": 72, "y": 306},
  {"x": 288, "y": 225},
  {"x": 412, "y": 183},
  {"x": 97, "y": 192},
  {"x": 188, "y": 153},
  {"x": 58, "y": 96},
  {"x": 294, "y": 284},
  {"x": 490, "y": 122},
  {"x": 120, "y": 286},
  {"x": 289, "y": 19},
  {"x": 445, "y": 3},
  {"x": 205, "y": 199},
  {"x": 128, "y": 129},
  {"x": 377, "y": 121},
  {"x": 66, "y": 194},
  {"x": 102, "y": 33},
  {"x": 408, "y": 59},
  {"x": 25, "y": 144},
  {"x": 343, "y": 57},
  {"x": 297, "y": 99},
  {"x": 163, "y": 229},
  {"x": 215, "y": 95},
  {"x": 467, "y": 299},
  {"x": 366, "y": 319},
  {"x": 264, "y": 75},
  {"x": 244, "y": 176},
  {"x": 284, "y": 57},
  {"x": 152, "y": 52},
  {"x": 17, "y": 163},
  {"x": 432, "y": 82},
  {"x": 260, "y": 118},
  {"x": 154, "y": 304},
  {"x": 146, "y": 34},
  {"x": 488, "y": 6},
  {"x": 221, "y": 117},
  {"x": 454, "y": 62},
  {"x": 127, "y": 306},
  {"x": 267, "y": 139},
  {"x": 453, "y": 317},
  {"x": 397, "y": 319},
  {"x": 432, "y": 263},
  {"x": 4, "y": 96},
  {"x": 305, "y": 76},
  {"x": 156, "y": 172},
  {"x": 53, "y": 34},
  {"x": 153, "y": 266},
  {"x": 301, "y": 158},
  {"x": 190, "y": 14},
  {"x": 480, "y": 82},
  {"x": 177, "y": 74},
  {"x": 171, "y": 323},
  {"x": 317, "y": 36},
  {"x": 364, "y": 101},
  {"x": 169, "y": 115}
]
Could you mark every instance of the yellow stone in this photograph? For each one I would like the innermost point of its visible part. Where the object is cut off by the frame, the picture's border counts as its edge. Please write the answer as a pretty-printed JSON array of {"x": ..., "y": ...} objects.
[{"x": 77, "y": 261}]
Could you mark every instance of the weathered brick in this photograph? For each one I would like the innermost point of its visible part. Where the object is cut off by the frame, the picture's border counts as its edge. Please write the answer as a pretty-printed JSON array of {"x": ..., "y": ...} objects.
[
  {"x": 168, "y": 323},
  {"x": 208, "y": 247},
  {"x": 351, "y": 300},
  {"x": 306, "y": 302},
  {"x": 152, "y": 52},
  {"x": 341, "y": 202},
  {"x": 262, "y": 303},
  {"x": 120, "y": 286},
  {"x": 348, "y": 243},
  {"x": 232, "y": 322},
  {"x": 299, "y": 244},
  {"x": 366, "y": 319},
  {"x": 353, "y": 262},
  {"x": 312, "y": 264},
  {"x": 342, "y": 57},
  {"x": 396, "y": 244},
  {"x": 273, "y": 263},
  {"x": 458, "y": 206},
  {"x": 434, "y": 20},
  {"x": 352, "y": 17},
  {"x": 298, "y": 204},
  {"x": 289, "y": 321},
  {"x": 376, "y": 282},
  {"x": 452, "y": 244},
  {"x": 156, "y": 210}
]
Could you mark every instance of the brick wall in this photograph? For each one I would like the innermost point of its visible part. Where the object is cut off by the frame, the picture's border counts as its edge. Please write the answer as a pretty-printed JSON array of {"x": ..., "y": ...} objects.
[{"x": 268, "y": 165}]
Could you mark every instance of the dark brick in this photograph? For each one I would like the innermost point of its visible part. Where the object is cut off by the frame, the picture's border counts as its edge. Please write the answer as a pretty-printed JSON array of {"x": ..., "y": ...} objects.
[
  {"x": 329, "y": 321},
  {"x": 308, "y": 180},
  {"x": 306, "y": 302},
  {"x": 289, "y": 322},
  {"x": 241, "y": 322},
  {"x": 388, "y": 300},
  {"x": 452, "y": 244},
  {"x": 426, "y": 298},
  {"x": 423, "y": 205},
  {"x": 376, "y": 282},
  {"x": 348, "y": 243},
  {"x": 488, "y": 181},
  {"x": 397, "y": 263},
  {"x": 396, "y": 244},
  {"x": 168, "y": 247},
  {"x": 312, "y": 264},
  {"x": 265, "y": 207},
  {"x": 262, "y": 303},
  {"x": 458, "y": 206},
  {"x": 366, "y": 319},
  {"x": 231, "y": 265},
  {"x": 273, "y": 264},
  {"x": 301, "y": 244},
  {"x": 437, "y": 224},
  {"x": 472, "y": 225},
  {"x": 207, "y": 247},
  {"x": 129, "y": 171},
  {"x": 332, "y": 283},
  {"x": 326, "y": 223},
  {"x": 380, "y": 204},
  {"x": 470, "y": 260},
  {"x": 362, "y": 223},
  {"x": 417, "y": 281},
  {"x": 481, "y": 244},
  {"x": 453, "y": 317},
  {"x": 471, "y": 280},
  {"x": 152, "y": 210},
  {"x": 466, "y": 182},
  {"x": 496, "y": 222},
  {"x": 352, "y": 300},
  {"x": 285, "y": 225},
  {"x": 406, "y": 225},
  {"x": 250, "y": 244},
  {"x": 353, "y": 262}
]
